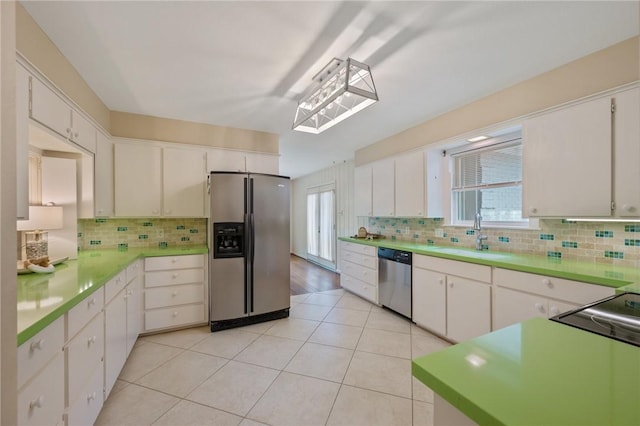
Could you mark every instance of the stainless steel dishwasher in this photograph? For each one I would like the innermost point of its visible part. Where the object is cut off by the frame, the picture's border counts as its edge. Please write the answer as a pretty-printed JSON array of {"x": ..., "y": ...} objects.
[{"x": 394, "y": 280}]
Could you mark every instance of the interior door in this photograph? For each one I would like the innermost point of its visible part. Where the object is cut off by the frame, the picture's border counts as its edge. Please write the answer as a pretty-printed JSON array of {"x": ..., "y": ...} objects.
[
  {"x": 321, "y": 231},
  {"x": 270, "y": 254}
]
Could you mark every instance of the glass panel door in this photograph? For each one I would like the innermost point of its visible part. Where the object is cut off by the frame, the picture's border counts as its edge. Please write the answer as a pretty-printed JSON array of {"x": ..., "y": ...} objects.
[{"x": 321, "y": 238}]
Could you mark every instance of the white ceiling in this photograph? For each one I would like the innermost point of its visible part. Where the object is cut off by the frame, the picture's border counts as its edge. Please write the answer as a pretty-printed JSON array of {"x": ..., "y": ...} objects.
[{"x": 244, "y": 64}]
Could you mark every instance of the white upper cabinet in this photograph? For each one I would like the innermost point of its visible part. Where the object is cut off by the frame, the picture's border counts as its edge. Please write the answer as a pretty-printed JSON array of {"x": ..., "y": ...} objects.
[
  {"x": 627, "y": 153},
  {"x": 22, "y": 142},
  {"x": 226, "y": 160},
  {"x": 362, "y": 191},
  {"x": 138, "y": 180},
  {"x": 263, "y": 163},
  {"x": 52, "y": 111},
  {"x": 567, "y": 162},
  {"x": 103, "y": 177},
  {"x": 410, "y": 185},
  {"x": 183, "y": 182},
  {"x": 151, "y": 180},
  {"x": 383, "y": 188}
]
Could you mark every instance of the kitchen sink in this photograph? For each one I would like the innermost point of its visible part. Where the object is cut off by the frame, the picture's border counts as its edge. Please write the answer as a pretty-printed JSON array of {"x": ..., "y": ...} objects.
[{"x": 473, "y": 253}]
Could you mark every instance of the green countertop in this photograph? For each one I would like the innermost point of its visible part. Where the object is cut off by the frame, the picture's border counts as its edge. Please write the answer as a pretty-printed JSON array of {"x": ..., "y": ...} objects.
[
  {"x": 538, "y": 372},
  {"x": 620, "y": 277},
  {"x": 42, "y": 298}
]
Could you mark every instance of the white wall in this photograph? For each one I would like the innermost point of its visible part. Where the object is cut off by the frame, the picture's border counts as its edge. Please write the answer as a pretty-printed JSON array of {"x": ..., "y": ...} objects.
[{"x": 346, "y": 221}]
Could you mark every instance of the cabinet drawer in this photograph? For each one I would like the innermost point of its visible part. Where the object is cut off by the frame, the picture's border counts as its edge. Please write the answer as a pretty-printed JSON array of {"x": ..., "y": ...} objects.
[
  {"x": 361, "y": 288},
  {"x": 174, "y": 317},
  {"x": 361, "y": 259},
  {"x": 85, "y": 409},
  {"x": 360, "y": 248},
  {"x": 37, "y": 351},
  {"x": 114, "y": 285},
  {"x": 557, "y": 288},
  {"x": 360, "y": 272},
  {"x": 174, "y": 262},
  {"x": 84, "y": 353},
  {"x": 42, "y": 401},
  {"x": 82, "y": 313},
  {"x": 134, "y": 270},
  {"x": 182, "y": 276},
  {"x": 471, "y": 271},
  {"x": 173, "y": 295}
]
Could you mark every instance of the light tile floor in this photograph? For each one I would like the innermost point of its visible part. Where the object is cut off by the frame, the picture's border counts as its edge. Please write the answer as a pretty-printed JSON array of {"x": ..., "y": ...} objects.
[{"x": 337, "y": 360}]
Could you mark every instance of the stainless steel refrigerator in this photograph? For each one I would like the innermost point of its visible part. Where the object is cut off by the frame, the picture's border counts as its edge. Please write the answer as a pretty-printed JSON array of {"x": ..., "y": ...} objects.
[{"x": 249, "y": 260}]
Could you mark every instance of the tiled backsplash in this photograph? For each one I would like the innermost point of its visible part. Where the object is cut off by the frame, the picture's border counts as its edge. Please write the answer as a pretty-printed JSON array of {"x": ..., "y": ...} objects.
[
  {"x": 599, "y": 242},
  {"x": 140, "y": 233}
]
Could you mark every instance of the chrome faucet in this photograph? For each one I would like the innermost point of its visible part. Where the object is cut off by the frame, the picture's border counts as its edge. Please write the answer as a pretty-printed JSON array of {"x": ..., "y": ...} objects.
[{"x": 477, "y": 226}]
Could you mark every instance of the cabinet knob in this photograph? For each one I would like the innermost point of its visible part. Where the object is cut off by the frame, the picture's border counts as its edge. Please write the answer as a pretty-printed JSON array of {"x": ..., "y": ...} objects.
[
  {"x": 155, "y": 212},
  {"x": 91, "y": 340},
  {"x": 533, "y": 210},
  {"x": 91, "y": 396},
  {"x": 175, "y": 275},
  {"x": 68, "y": 130},
  {"x": 547, "y": 282},
  {"x": 91, "y": 302},
  {"x": 451, "y": 285},
  {"x": 175, "y": 293},
  {"x": 539, "y": 307},
  {"x": 168, "y": 212},
  {"x": 175, "y": 314},
  {"x": 38, "y": 402},
  {"x": 37, "y": 345},
  {"x": 554, "y": 310},
  {"x": 627, "y": 208},
  {"x": 76, "y": 134},
  {"x": 440, "y": 281},
  {"x": 174, "y": 260}
]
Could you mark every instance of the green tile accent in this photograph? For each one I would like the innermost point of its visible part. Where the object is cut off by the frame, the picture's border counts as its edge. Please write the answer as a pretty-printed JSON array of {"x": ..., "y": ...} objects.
[
  {"x": 454, "y": 240},
  {"x": 485, "y": 247},
  {"x": 635, "y": 243},
  {"x": 568, "y": 221},
  {"x": 101, "y": 220},
  {"x": 430, "y": 242},
  {"x": 405, "y": 221},
  {"x": 554, "y": 254},
  {"x": 444, "y": 235},
  {"x": 122, "y": 228},
  {"x": 504, "y": 239},
  {"x": 437, "y": 219},
  {"x": 387, "y": 221},
  {"x": 547, "y": 237},
  {"x": 470, "y": 232},
  {"x": 184, "y": 239},
  {"x": 421, "y": 222},
  {"x": 143, "y": 237},
  {"x": 632, "y": 228},
  {"x": 383, "y": 227},
  {"x": 398, "y": 231},
  {"x": 604, "y": 234},
  {"x": 614, "y": 275},
  {"x": 79, "y": 234},
  {"x": 179, "y": 227},
  {"x": 193, "y": 231},
  {"x": 614, "y": 254},
  {"x": 416, "y": 236},
  {"x": 95, "y": 242},
  {"x": 393, "y": 224},
  {"x": 569, "y": 244},
  {"x": 393, "y": 238},
  {"x": 163, "y": 244},
  {"x": 147, "y": 224},
  {"x": 123, "y": 246}
]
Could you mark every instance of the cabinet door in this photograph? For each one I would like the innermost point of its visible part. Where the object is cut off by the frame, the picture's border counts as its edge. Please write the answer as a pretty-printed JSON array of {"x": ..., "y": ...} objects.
[
  {"x": 429, "y": 300},
  {"x": 134, "y": 311},
  {"x": 22, "y": 143},
  {"x": 262, "y": 163},
  {"x": 362, "y": 191},
  {"x": 468, "y": 308},
  {"x": 511, "y": 307},
  {"x": 86, "y": 187},
  {"x": 103, "y": 195},
  {"x": 410, "y": 185},
  {"x": 383, "y": 188},
  {"x": 225, "y": 160},
  {"x": 115, "y": 345},
  {"x": 82, "y": 132},
  {"x": 184, "y": 180},
  {"x": 41, "y": 402},
  {"x": 567, "y": 162},
  {"x": 138, "y": 180},
  {"x": 627, "y": 153},
  {"x": 49, "y": 109}
]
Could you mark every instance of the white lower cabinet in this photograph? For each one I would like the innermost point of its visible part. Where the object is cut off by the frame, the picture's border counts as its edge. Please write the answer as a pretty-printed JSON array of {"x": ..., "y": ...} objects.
[
  {"x": 175, "y": 291},
  {"x": 359, "y": 270},
  {"x": 115, "y": 328},
  {"x": 520, "y": 296},
  {"x": 85, "y": 409},
  {"x": 41, "y": 401},
  {"x": 447, "y": 301}
]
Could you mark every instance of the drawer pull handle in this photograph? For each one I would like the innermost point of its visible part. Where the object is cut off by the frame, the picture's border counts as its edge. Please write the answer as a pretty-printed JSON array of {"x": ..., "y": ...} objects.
[
  {"x": 539, "y": 307},
  {"x": 547, "y": 282},
  {"x": 175, "y": 293},
  {"x": 440, "y": 281},
  {"x": 175, "y": 314},
  {"x": 91, "y": 396},
  {"x": 451, "y": 285},
  {"x": 37, "y": 345},
  {"x": 92, "y": 302},
  {"x": 174, "y": 260},
  {"x": 174, "y": 276},
  {"x": 91, "y": 340},
  {"x": 38, "y": 402}
]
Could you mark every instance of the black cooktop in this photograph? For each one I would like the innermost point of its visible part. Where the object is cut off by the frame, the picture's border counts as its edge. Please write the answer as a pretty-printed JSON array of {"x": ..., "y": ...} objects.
[{"x": 616, "y": 317}]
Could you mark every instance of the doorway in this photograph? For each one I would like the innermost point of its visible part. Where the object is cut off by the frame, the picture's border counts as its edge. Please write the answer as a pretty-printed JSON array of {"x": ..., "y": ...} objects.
[{"x": 321, "y": 229}]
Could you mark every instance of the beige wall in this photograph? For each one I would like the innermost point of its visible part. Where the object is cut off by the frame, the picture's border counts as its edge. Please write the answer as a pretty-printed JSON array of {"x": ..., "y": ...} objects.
[
  {"x": 608, "y": 68},
  {"x": 38, "y": 49},
  {"x": 164, "y": 129}
]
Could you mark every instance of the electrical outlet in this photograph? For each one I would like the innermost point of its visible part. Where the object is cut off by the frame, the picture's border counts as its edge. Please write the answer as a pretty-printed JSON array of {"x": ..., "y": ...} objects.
[{"x": 439, "y": 232}]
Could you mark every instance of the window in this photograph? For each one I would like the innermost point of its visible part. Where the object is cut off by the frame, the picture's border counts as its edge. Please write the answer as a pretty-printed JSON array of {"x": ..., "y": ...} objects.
[{"x": 487, "y": 179}]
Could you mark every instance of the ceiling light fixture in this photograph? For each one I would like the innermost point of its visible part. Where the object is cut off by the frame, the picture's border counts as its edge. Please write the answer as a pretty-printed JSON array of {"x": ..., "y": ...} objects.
[{"x": 340, "y": 90}]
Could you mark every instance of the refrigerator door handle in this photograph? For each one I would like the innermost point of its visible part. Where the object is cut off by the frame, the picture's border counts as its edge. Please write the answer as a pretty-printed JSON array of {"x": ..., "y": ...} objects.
[
  {"x": 247, "y": 241},
  {"x": 252, "y": 234}
]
